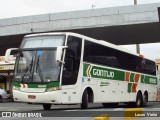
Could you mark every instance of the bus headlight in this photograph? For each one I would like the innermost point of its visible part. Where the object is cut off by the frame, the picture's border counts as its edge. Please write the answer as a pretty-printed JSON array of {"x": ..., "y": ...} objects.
[
  {"x": 16, "y": 88},
  {"x": 52, "y": 89}
]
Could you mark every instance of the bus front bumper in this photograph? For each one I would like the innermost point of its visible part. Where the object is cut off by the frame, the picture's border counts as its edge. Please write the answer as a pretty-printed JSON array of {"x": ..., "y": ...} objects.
[{"x": 44, "y": 97}]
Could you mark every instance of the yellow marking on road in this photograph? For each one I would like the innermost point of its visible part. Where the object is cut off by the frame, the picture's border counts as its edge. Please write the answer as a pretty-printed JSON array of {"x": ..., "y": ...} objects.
[{"x": 102, "y": 117}]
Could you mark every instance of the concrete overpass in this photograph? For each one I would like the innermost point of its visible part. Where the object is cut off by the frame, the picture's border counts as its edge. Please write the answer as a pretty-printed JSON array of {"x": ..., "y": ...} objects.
[{"x": 118, "y": 25}]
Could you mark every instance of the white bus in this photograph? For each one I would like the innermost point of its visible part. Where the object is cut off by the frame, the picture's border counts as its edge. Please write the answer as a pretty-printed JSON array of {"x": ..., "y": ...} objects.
[{"x": 68, "y": 68}]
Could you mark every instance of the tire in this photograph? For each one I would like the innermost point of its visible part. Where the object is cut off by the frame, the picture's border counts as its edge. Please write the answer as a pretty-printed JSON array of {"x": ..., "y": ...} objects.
[
  {"x": 84, "y": 104},
  {"x": 46, "y": 106},
  {"x": 139, "y": 100},
  {"x": 145, "y": 100}
]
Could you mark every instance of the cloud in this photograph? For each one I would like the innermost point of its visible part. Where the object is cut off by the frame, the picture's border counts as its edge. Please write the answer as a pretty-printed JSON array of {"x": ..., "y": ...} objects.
[
  {"x": 151, "y": 50},
  {"x": 147, "y": 1},
  {"x": 14, "y": 8}
]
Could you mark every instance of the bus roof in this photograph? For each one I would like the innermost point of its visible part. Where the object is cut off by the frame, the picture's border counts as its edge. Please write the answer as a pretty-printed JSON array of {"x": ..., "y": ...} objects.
[{"x": 102, "y": 42}]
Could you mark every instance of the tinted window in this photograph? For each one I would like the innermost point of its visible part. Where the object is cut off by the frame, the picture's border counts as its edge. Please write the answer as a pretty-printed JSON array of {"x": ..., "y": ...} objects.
[
  {"x": 72, "y": 61},
  {"x": 100, "y": 54},
  {"x": 103, "y": 55},
  {"x": 149, "y": 67}
]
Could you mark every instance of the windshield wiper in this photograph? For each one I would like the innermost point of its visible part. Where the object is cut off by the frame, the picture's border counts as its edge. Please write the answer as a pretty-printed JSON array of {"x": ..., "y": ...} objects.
[
  {"x": 29, "y": 68},
  {"x": 39, "y": 70}
]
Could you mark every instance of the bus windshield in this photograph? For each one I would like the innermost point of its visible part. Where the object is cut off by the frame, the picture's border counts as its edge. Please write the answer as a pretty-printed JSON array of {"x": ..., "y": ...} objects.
[
  {"x": 36, "y": 60},
  {"x": 43, "y": 41},
  {"x": 37, "y": 66}
]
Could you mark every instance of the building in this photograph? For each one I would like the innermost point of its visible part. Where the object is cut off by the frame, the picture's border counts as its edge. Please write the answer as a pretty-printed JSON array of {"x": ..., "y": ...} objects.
[
  {"x": 158, "y": 64},
  {"x": 158, "y": 67},
  {"x": 158, "y": 73},
  {"x": 6, "y": 74}
]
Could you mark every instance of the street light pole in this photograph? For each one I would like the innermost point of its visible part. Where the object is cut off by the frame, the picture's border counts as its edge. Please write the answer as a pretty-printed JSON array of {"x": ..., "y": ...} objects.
[
  {"x": 93, "y": 6},
  {"x": 138, "y": 48},
  {"x": 137, "y": 45},
  {"x": 135, "y": 2}
]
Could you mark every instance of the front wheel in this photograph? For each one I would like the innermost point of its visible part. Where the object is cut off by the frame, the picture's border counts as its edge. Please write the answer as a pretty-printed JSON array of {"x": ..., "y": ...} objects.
[
  {"x": 84, "y": 104},
  {"x": 46, "y": 106}
]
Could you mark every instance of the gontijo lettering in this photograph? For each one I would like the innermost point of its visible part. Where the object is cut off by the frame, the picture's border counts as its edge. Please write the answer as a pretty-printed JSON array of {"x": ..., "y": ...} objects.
[{"x": 103, "y": 73}]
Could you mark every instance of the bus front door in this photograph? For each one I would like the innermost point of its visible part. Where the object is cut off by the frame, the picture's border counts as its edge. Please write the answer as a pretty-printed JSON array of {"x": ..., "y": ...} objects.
[{"x": 70, "y": 88}]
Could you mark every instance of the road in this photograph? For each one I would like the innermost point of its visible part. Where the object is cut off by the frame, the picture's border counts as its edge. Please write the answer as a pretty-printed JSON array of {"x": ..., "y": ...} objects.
[{"x": 70, "y": 111}]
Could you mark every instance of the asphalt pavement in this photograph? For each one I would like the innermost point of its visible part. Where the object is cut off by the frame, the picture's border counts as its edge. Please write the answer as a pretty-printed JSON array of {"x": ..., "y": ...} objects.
[{"x": 68, "y": 112}]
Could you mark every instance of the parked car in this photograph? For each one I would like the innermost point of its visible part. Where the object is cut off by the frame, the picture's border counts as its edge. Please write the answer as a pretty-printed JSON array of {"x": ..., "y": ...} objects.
[{"x": 3, "y": 95}]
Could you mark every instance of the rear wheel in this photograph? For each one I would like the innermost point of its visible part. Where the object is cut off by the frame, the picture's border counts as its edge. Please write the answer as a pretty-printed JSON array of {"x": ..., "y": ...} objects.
[
  {"x": 145, "y": 100},
  {"x": 139, "y": 100},
  {"x": 46, "y": 106},
  {"x": 84, "y": 104}
]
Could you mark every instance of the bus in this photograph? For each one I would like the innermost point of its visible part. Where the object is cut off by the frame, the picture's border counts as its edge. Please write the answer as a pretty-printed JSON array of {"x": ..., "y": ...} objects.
[{"x": 69, "y": 68}]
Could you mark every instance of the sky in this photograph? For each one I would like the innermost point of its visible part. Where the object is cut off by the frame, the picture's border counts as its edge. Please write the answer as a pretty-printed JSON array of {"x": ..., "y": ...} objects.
[{"x": 17, "y": 8}]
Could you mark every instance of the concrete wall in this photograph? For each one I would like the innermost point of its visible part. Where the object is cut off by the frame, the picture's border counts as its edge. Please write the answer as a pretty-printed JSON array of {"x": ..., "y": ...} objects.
[{"x": 80, "y": 19}]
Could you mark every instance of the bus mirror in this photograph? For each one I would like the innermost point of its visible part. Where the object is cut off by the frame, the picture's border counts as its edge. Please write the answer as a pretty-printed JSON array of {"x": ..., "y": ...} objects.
[
  {"x": 8, "y": 57},
  {"x": 59, "y": 53}
]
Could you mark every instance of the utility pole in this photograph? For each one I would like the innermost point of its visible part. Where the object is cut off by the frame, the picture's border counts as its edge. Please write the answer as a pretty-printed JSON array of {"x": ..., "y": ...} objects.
[
  {"x": 137, "y": 45},
  {"x": 135, "y": 2},
  {"x": 93, "y": 6}
]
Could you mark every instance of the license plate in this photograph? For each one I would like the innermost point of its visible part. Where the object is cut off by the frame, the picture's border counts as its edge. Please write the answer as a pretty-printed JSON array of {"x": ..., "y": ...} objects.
[{"x": 31, "y": 97}]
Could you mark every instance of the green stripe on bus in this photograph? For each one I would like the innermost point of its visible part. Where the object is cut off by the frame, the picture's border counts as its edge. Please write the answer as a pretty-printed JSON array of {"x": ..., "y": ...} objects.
[
  {"x": 51, "y": 84},
  {"x": 142, "y": 78},
  {"x": 150, "y": 80},
  {"x": 132, "y": 77},
  {"x": 85, "y": 67},
  {"x": 104, "y": 73},
  {"x": 112, "y": 74},
  {"x": 129, "y": 87},
  {"x": 16, "y": 84}
]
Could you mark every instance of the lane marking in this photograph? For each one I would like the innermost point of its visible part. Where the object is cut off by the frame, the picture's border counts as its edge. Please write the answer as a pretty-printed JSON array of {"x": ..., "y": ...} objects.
[
  {"x": 119, "y": 109},
  {"x": 102, "y": 117}
]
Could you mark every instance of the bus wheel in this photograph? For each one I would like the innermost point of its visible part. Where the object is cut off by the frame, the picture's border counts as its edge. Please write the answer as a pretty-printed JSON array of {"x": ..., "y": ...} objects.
[
  {"x": 145, "y": 99},
  {"x": 84, "y": 104},
  {"x": 139, "y": 100},
  {"x": 46, "y": 106}
]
